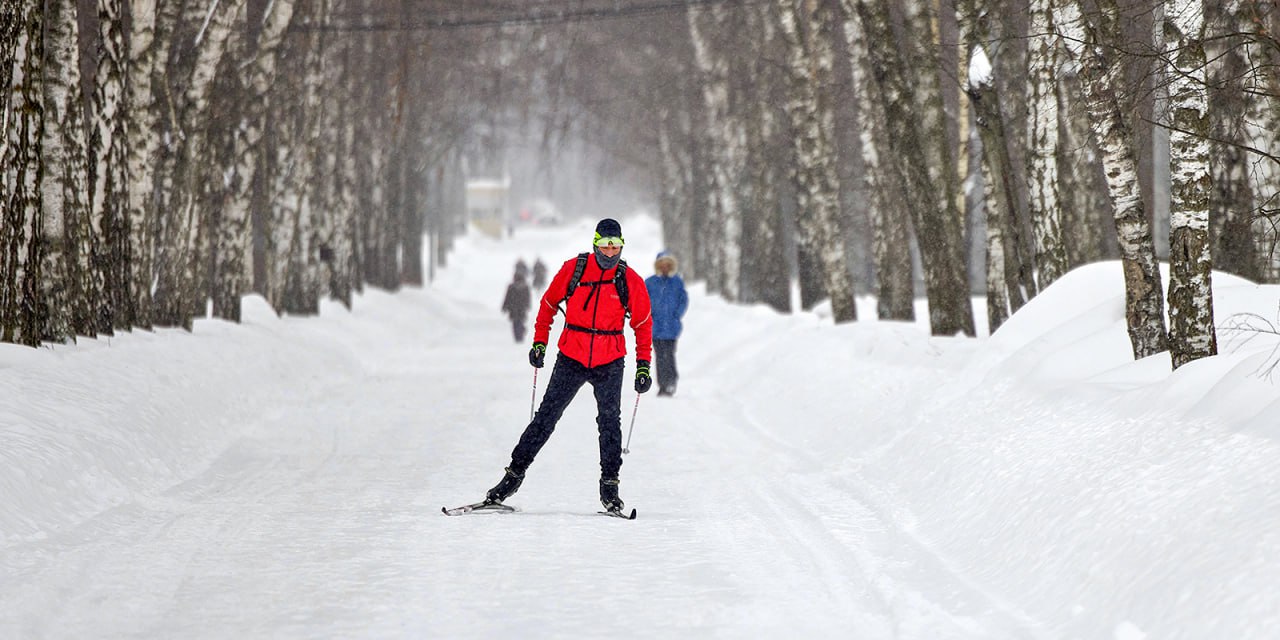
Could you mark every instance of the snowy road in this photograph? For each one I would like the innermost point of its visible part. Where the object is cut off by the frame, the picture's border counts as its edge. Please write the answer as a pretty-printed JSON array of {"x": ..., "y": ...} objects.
[
  {"x": 282, "y": 478},
  {"x": 325, "y": 523},
  {"x": 332, "y": 529}
]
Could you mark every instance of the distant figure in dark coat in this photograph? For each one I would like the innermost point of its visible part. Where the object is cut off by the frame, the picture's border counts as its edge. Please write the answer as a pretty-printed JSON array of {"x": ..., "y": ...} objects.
[
  {"x": 539, "y": 274},
  {"x": 516, "y": 304}
]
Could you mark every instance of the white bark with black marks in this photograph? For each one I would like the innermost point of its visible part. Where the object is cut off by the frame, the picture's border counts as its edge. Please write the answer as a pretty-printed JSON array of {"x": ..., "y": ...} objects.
[
  {"x": 142, "y": 118},
  {"x": 890, "y": 225},
  {"x": 1046, "y": 212},
  {"x": 806, "y": 27},
  {"x": 178, "y": 298},
  {"x": 1191, "y": 331},
  {"x": 709, "y": 28},
  {"x": 23, "y": 166},
  {"x": 69, "y": 283},
  {"x": 1144, "y": 298},
  {"x": 110, "y": 169},
  {"x": 232, "y": 241}
]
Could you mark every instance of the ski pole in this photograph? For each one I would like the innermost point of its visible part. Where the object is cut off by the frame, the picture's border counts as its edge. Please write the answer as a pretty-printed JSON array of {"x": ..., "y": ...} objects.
[
  {"x": 627, "y": 448},
  {"x": 534, "y": 398}
]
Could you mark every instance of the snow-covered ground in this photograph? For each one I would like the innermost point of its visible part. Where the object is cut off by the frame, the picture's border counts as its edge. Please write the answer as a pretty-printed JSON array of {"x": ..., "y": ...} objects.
[{"x": 283, "y": 478}]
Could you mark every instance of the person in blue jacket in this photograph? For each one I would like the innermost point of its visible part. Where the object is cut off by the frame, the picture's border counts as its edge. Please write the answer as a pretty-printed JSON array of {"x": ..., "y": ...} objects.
[{"x": 669, "y": 301}]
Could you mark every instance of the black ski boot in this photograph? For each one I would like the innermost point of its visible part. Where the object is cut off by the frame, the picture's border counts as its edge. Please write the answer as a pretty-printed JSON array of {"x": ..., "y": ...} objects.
[
  {"x": 509, "y": 484},
  {"x": 609, "y": 494}
]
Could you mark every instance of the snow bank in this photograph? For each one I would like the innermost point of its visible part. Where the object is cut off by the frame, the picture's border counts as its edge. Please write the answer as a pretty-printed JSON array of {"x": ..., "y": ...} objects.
[{"x": 104, "y": 422}]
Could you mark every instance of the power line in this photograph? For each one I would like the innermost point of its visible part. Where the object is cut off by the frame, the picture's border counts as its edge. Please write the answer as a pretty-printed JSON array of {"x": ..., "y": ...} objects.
[{"x": 545, "y": 15}]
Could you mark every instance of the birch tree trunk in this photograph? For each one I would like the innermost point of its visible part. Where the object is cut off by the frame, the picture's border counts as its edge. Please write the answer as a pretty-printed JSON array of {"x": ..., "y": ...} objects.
[
  {"x": 807, "y": 27},
  {"x": 674, "y": 177},
  {"x": 295, "y": 278},
  {"x": 1046, "y": 213},
  {"x": 108, "y": 151},
  {"x": 1263, "y": 125},
  {"x": 341, "y": 212},
  {"x": 1191, "y": 331},
  {"x": 680, "y": 209},
  {"x": 177, "y": 294},
  {"x": 1086, "y": 206},
  {"x": 766, "y": 276},
  {"x": 69, "y": 287},
  {"x": 11, "y": 17},
  {"x": 709, "y": 30},
  {"x": 23, "y": 168},
  {"x": 232, "y": 246},
  {"x": 1009, "y": 278},
  {"x": 413, "y": 179},
  {"x": 999, "y": 294},
  {"x": 348, "y": 186},
  {"x": 142, "y": 121},
  {"x": 1144, "y": 299},
  {"x": 324, "y": 141},
  {"x": 1232, "y": 81},
  {"x": 921, "y": 153},
  {"x": 890, "y": 230},
  {"x": 713, "y": 94}
]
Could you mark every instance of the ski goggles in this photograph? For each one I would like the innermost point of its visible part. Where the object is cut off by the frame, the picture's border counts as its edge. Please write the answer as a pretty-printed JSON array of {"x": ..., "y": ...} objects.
[{"x": 609, "y": 241}]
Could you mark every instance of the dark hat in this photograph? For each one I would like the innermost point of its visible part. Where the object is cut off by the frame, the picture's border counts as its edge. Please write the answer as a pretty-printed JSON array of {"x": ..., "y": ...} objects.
[{"x": 608, "y": 228}]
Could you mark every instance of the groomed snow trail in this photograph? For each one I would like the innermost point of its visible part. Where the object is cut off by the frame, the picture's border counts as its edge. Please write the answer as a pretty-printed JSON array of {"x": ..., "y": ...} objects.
[{"x": 324, "y": 521}]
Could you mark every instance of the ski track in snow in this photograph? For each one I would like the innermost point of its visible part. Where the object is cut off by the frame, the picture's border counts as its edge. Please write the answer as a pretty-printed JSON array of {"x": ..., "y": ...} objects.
[{"x": 324, "y": 522}]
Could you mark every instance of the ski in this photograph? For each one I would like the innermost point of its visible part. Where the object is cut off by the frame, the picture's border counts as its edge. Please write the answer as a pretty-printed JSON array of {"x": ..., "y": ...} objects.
[
  {"x": 483, "y": 507},
  {"x": 619, "y": 514},
  {"x": 479, "y": 507}
]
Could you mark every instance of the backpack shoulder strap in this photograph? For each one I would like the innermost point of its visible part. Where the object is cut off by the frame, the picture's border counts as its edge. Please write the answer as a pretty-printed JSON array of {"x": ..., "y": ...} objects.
[
  {"x": 577, "y": 275},
  {"x": 620, "y": 283}
]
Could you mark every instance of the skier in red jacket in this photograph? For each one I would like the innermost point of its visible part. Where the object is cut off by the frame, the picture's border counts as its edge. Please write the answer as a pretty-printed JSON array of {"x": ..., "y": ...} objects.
[{"x": 592, "y": 349}]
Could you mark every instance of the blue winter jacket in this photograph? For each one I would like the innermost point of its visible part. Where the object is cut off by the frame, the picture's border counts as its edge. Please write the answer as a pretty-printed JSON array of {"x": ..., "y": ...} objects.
[{"x": 669, "y": 301}]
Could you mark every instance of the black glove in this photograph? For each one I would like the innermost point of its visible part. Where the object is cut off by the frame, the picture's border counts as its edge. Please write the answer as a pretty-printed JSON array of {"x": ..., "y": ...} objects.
[
  {"x": 643, "y": 381},
  {"x": 537, "y": 354}
]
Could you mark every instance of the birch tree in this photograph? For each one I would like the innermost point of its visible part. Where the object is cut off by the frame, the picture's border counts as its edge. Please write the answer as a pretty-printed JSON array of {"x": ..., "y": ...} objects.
[
  {"x": 11, "y": 16},
  {"x": 1086, "y": 206},
  {"x": 710, "y": 32},
  {"x": 143, "y": 154},
  {"x": 108, "y": 153},
  {"x": 890, "y": 223},
  {"x": 1191, "y": 331},
  {"x": 232, "y": 251},
  {"x": 178, "y": 296},
  {"x": 1008, "y": 282},
  {"x": 70, "y": 285},
  {"x": 1232, "y": 80},
  {"x": 1097, "y": 36},
  {"x": 675, "y": 180},
  {"x": 1010, "y": 277},
  {"x": 807, "y": 27},
  {"x": 331, "y": 201},
  {"x": 766, "y": 277},
  {"x": 921, "y": 152},
  {"x": 22, "y": 208},
  {"x": 1046, "y": 212}
]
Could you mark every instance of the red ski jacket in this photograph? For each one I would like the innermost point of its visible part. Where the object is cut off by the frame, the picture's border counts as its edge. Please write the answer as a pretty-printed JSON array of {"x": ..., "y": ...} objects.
[{"x": 594, "y": 315}]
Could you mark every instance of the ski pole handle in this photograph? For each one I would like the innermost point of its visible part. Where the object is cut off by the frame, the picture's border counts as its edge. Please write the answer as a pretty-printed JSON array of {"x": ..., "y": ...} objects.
[{"x": 627, "y": 448}]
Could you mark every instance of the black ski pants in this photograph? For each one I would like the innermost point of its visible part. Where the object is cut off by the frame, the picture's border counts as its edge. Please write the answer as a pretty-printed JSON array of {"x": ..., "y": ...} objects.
[{"x": 567, "y": 377}]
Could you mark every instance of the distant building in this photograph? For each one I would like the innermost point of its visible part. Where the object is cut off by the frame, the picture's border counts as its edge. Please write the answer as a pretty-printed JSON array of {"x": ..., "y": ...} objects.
[{"x": 487, "y": 206}]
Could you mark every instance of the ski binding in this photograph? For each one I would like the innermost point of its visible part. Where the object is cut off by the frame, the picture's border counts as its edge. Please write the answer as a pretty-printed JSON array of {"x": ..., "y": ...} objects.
[
  {"x": 619, "y": 514},
  {"x": 479, "y": 507}
]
